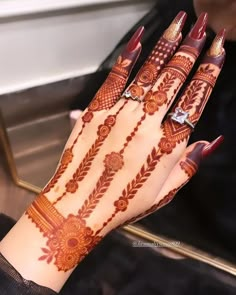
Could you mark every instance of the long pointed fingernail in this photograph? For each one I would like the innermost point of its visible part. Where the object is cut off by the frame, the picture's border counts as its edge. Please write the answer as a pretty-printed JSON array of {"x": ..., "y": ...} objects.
[
  {"x": 212, "y": 146},
  {"x": 135, "y": 39},
  {"x": 199, "y": 28},
  {"x": 173, "y": 31},
  {"x": 217, "y": 45}
]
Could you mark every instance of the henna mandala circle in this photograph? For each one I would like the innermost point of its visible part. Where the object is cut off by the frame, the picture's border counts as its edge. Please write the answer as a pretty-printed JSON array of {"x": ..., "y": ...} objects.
[
  {"x": 121, "y": 204},
  {"x": 66, "y": 157},
  {"x": 87, "y": 117},
  {"x": 94, "y": 105},
  {"x": 110, "y": 120},
  {"x": 136, "y": 91},
  {"x": 150, "y": 107},
  {"x": 114, "y": 161},
  {"x": 103, "y": 130},
  {"x": 159, "y": 97},
  {"x": 71, "y": 242},
  {"x": 166, "y": 145},
  {"x": 72, "y": 186},
  {"x": 147, "y": 75}
]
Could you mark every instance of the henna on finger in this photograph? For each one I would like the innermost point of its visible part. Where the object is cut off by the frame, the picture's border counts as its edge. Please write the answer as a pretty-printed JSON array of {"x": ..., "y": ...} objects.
[
  {"x": 195, "y": 96},
  {"x": 69, "y": 237},
  {"x": 160, "y": 55},
  {"x": 105, "y": 98},
  {"x": 189, "y": 164},
  {"x": 112, "y": 88},
  {"x": 176, "y": 71},
  {"x": 80, "y": 173}
]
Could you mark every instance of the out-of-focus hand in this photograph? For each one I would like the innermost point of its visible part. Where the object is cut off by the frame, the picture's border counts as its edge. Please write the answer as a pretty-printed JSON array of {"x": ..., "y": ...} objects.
[
  {"x": 221, "y": 13},
  {"x": 125, "y": 158}
]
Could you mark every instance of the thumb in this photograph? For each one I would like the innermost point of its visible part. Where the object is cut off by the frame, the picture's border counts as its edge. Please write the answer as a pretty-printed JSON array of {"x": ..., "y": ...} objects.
[
  {"x": 185, "y": 168},
  {"x": 181, "y": 173}
]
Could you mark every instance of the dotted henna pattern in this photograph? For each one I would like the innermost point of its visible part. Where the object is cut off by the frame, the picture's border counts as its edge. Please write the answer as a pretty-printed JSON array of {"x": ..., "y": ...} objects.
[{"x": 149, "y": 72}]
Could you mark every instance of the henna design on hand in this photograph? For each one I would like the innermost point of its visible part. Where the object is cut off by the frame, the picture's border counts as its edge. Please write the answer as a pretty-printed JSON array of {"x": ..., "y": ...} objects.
[
  {"x": 107, "y": 94},
  {"x": 113, "y": 162},
  {"x": 132, "y": 187},
  {"x": 190, "y": 166},
  {"x": 80, "y": 173},
  {"x": 111, "y": 90},
  {"x": 162, "y": 52},
  {"x": 69, "y": 240},
  {"x": 195, "y": 96},
  {"x": 69, "y": 237}
]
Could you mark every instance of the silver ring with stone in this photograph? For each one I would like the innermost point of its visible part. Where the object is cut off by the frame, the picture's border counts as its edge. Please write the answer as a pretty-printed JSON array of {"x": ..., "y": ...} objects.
[
  {"x": 128, "y": 95},
  {"x": 181, "y": 117}
]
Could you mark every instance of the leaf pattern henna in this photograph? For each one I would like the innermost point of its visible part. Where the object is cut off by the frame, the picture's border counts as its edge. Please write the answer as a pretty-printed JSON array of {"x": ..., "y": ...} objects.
[
  {"x": 85, "y": 165},
  {"x": 112, "y": 162}
]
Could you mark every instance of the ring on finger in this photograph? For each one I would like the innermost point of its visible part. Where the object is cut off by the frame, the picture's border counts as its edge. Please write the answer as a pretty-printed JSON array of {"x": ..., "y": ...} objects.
[
  {"x": 128, "y": 95},
  {"x": 181, "y": 117}
]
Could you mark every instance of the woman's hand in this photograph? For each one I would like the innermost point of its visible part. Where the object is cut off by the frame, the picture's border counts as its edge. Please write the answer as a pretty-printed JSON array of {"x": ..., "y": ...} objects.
[
  {"x": 221, "y": 14},
  {"x": 125, "y": 158}
]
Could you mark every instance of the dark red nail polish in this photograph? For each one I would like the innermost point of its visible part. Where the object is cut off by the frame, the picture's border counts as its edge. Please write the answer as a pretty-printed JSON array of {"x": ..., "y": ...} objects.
[
  {"x": 212, "y": 146},
  {"x": 216, "y": 48},
  {"x": 135, "y": 39},
  {"x": 196, "y": 154},
  {"x": 199, "y": 28},
  {"x": 180, "y": 19}
]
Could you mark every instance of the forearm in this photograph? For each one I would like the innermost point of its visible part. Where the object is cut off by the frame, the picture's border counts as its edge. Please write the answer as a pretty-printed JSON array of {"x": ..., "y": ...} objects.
[{"x": 22, "y": 247}]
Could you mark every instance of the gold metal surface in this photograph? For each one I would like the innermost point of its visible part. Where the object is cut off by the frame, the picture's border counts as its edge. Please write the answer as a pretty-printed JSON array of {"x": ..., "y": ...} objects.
[
  {"x": 173, "y": 31},
  {"x": 183, "y": 249},
  {"x": 216, "y": 48}
]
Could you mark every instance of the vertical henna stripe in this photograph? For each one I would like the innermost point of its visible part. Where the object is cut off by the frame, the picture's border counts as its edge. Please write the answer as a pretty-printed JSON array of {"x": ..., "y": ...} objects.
[
  {"x": 106, "y": 178},
  {"x": 85, "y": 165}
]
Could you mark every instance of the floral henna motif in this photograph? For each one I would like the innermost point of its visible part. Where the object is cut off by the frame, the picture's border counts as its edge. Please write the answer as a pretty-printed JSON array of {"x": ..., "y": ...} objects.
[
  {"x": 112, "y": 162},
  {"x": 112, "y": 88},
  {"x": 193, "y": 101},
  {"x": 155, "y": 99},
  {"x": 132, "y": 188},
  {"x": 80, "y": 173},
  {"x": 69, "y": 240},
  {"x": 107, "y": 94},
  {"x": 158, "y": 58},
  {"x": 148, "y": 74}
]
